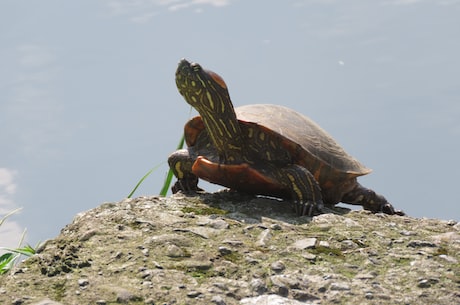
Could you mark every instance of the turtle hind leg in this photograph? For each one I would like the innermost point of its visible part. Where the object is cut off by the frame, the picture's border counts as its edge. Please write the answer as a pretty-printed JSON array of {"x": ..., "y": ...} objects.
[
  {"x": 370, "y": 200},
  {"x": 181, "y": 164},
  {"x": 304, "y": 189}
]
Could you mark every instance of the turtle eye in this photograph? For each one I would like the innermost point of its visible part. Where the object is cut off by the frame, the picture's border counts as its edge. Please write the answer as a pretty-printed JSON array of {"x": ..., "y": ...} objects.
[
  {"x": 195, "y": 66},
  {"x": 216, "y": 77}
]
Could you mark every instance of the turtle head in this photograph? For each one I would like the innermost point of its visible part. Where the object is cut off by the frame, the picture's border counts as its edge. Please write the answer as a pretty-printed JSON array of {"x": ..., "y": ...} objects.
[
  {"x": 207, "y": 92},
  {"x": 202, "y": 89}
]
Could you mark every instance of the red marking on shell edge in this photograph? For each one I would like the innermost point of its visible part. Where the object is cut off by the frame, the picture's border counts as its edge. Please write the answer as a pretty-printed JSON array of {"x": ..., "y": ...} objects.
[{"x": 192, "y": 129}]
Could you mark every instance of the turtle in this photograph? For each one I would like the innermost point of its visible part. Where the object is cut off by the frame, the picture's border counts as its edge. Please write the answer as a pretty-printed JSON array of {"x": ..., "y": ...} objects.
[{"x": 263, "y": 149}]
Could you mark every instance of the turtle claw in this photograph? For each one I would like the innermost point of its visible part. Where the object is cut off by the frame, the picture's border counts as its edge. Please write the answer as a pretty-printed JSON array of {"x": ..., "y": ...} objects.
[
  {"x": 186, "y": 185},
  {"x": 308, "y": 208},
  {"x": 387, "y": 208}
]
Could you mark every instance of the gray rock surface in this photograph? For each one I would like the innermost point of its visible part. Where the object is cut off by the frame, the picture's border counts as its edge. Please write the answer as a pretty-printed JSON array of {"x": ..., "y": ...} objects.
[{"x": 225, "y": 248}]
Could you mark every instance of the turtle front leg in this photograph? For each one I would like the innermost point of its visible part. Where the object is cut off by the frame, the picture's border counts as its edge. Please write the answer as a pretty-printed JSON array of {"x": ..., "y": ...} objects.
[
  {"x": 370, "y": 200},
  {"x": 181, "y": 165},
  {"x": 304, "y": 188}
]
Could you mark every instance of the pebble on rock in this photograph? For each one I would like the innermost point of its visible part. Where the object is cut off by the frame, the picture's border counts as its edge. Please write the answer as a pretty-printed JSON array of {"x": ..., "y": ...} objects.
[
  {"x": 218, "y": 300},
  {"x": 224, "y": 250},
  {"x": 271, "y": 299},
  {"x": 194, "y": 294},
  {"x": 277, "y": 266},
  {"x": 306, "y": 243},
  {"x": 174, "y": 251},
  {"x": 83, "y": 282},
  {"x": 43, "y": 302},
  {"x": 258, "y": 286},
  {"x": 339, "y": 286},
  {"x": 264, "y": 238}
]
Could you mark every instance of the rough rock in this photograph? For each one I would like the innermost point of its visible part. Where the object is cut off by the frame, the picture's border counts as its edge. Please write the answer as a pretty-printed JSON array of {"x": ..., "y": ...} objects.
[{"x": 226, "y": 248}]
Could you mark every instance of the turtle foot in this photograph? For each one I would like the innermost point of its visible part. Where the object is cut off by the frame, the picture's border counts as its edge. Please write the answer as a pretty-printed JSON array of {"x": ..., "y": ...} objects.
[
  {"x": 186, "y": 186},
  {"x": 370, "y": 201},
  {"x": 387, "y": 208},
  {"x": 308, "y": 208}
]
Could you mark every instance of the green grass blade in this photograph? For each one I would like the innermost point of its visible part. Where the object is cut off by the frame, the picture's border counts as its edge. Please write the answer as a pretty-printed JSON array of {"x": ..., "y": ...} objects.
[
  {"x": 26, "y": 250},
  {"x": 142, "y": 180},
  {"x": 22, "y": 237},
  {"x": 169, "y": 176},
  {"x": 7, "y": 261},
  {"x": 6, "y": 258},
  {"x": 8, "y": 215},
  {"x": 167, "y": 183}
]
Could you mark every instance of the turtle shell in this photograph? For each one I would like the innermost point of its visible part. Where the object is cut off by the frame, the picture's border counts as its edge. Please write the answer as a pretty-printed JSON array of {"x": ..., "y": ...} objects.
[
  {"x": 298, "y": 131},
  {"x": 279, "y": 134}
]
